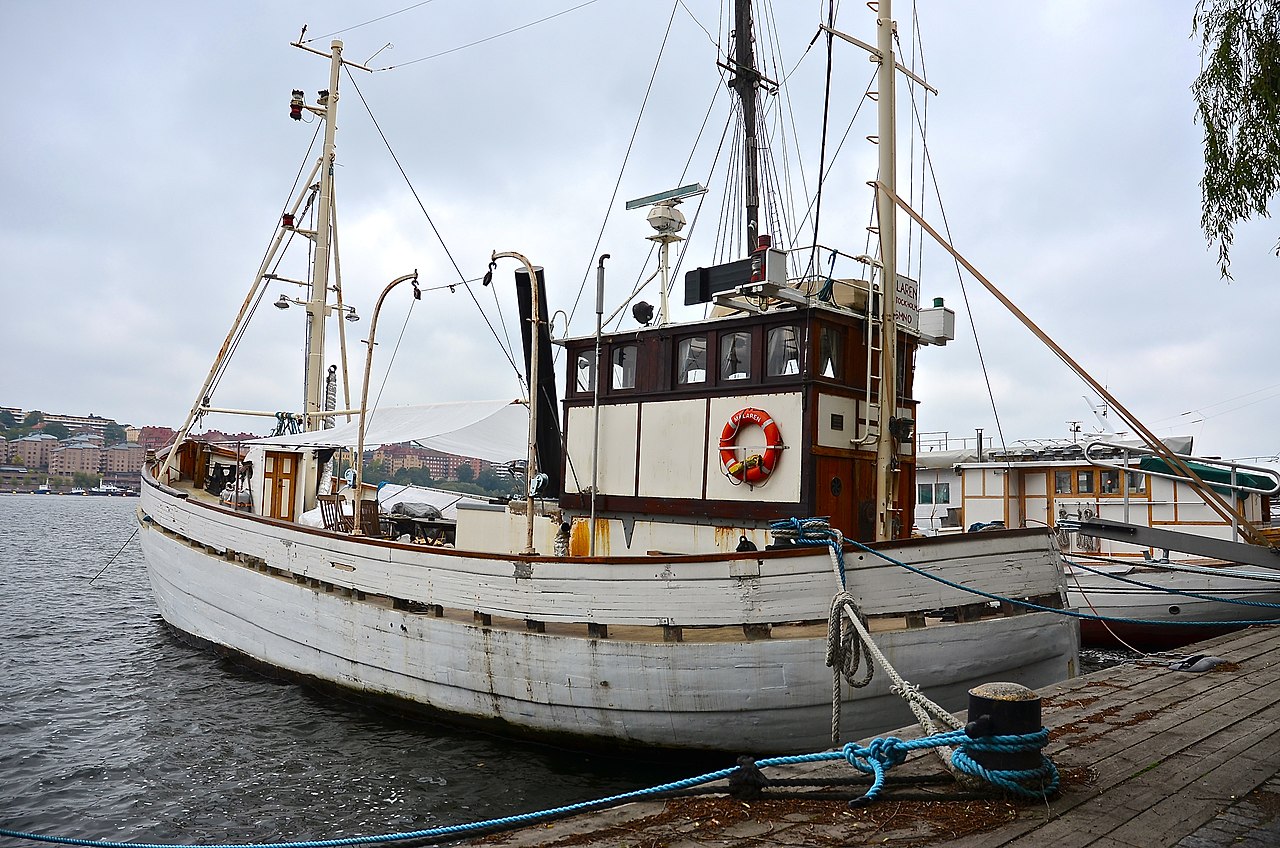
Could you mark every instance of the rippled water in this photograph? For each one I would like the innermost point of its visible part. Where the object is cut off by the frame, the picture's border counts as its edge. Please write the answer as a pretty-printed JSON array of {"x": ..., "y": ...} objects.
[{"x": 112, "y": 728}]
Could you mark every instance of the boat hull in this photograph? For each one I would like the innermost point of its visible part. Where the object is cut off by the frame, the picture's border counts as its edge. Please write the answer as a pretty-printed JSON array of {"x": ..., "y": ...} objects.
[
  {"x": 1165, "y": 619},
  {"x": 763, "y": 695}
]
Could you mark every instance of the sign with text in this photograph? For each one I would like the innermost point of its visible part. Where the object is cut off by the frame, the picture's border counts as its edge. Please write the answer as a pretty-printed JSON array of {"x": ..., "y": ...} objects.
[{"x": 906, "y": 304}]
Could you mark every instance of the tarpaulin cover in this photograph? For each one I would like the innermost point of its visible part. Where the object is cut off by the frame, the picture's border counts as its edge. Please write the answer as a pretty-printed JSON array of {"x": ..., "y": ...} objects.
[{"x": 493, "y": 430}]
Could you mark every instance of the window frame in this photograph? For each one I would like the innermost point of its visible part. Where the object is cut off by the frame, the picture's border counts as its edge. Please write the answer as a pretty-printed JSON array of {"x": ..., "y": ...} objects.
[
  {"x": 797, "y": 341},
  {"x": 623, "y": 347},
  {"x": 721, "y": 378},
  {"x": 678, "y": 369}
]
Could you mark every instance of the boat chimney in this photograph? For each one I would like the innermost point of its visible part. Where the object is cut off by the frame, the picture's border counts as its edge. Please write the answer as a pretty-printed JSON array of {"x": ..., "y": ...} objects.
[{"x": 544, "y": 394}]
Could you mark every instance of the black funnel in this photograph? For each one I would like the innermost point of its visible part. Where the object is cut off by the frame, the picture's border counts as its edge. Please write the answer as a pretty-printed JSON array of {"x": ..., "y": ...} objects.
[{"x": 548, "y": 436}]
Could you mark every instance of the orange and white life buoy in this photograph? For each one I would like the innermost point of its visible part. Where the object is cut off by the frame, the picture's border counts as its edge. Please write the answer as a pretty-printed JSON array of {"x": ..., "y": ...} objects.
[{"x": 756, "y": 468}]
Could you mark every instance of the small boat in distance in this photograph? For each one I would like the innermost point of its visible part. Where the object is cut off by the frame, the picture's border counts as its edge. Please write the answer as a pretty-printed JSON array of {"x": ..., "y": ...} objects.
[
  {"x": 109, "y": 490},
  {"x": 648, "y": 589}
]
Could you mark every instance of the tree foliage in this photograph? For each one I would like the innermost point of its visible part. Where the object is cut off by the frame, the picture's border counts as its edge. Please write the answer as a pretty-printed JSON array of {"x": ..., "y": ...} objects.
[
  {"x": 114, "y": 434},
  {"x": 58, "y": 431},
  {"x": 1238, "y": 102}
]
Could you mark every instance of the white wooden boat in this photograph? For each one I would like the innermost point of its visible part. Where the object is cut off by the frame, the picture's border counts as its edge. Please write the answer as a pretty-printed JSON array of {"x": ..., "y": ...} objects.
[
  {"x": 1153, "y": 566},
  {"x": 633, "y": 598}
]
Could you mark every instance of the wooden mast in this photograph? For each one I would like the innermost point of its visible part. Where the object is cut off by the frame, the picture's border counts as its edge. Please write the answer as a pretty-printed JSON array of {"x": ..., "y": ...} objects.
[
  {"x": 886, "y": 214},
  {"x": 317, "y": 306}
]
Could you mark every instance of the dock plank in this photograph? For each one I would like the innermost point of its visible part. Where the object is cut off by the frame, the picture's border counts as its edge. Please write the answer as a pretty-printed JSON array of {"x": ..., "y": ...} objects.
[
  {"x": 1132, "y": 760},
  {"x": 1153, "y": 758}
]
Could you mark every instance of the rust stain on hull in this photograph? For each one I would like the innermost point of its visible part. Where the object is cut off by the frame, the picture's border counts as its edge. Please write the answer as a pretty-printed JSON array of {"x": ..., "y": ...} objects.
[{"x": 580, "y": 537}]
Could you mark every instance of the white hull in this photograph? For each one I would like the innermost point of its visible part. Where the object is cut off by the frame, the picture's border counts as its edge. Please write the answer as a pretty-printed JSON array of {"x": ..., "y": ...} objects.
[
  {"x": 1105, "y": 595},
  {"x": 321, "y": 606}
]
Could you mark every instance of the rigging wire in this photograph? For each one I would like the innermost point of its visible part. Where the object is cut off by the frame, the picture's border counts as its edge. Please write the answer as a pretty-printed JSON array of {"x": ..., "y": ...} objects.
[
  {"x": 244, "y": 326},
  {"x": 781, "y": 114},
  {"x": 412, "y": 190},
  {"x": 490, "y": 37},
  {"x": 1200, "y": 410},
  {"x": 816, "y": 206},
  {"x": 366, "y": 23},
  {"x": 377, "y": 401},
  {"x": 964, "y": 290},
  {"x": 595, "y": 248}
]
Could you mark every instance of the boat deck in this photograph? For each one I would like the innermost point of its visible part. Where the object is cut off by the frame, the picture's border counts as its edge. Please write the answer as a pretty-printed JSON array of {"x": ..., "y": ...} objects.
[{"x": 1148, "y": 757}]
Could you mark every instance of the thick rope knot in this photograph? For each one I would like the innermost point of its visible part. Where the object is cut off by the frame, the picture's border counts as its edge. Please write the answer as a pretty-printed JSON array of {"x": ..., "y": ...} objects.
[
  {"x": 1039, "y": 782},
  {"x": 811, "y": 531},
  {"x": 882, "y": 754},
  {"x": 875, "y": 759},
  {"x": 845, "y": 646}
]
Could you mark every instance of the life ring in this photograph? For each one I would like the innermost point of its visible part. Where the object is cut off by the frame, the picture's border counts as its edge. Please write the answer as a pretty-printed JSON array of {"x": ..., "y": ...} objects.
[{"x": 756, "y": 468}]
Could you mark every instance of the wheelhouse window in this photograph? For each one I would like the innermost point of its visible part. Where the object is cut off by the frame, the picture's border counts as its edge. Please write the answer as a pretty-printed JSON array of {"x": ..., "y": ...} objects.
[
  {"x": 1062, "y": 482},
  {"x": 1084, "y": 482},
  {"x": 830, "y": 345},
  {"x": 691, "y": 360},
  {"x": 1109, "y": 482},
  {"x": 782, "y": 351},
  {"x": 735, "y": 356},
  {"x": 624, "y": 366},
  {"x": 1137, "y": 482},
  {"x": 584, "y": 372}
]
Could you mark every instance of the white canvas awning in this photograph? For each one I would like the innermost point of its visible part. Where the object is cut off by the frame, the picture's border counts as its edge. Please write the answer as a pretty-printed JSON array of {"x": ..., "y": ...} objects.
[{"x": 493, "y": 430}]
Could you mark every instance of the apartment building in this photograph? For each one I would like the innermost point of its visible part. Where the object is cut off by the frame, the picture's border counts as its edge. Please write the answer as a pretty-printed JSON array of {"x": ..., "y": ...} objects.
[{"x": 33, "y": 451}]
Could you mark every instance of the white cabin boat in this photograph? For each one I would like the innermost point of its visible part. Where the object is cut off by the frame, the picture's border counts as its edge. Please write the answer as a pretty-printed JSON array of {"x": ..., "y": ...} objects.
[
  {"x": 635, "y": 597},
  {"x": 1159, "y": 563}
]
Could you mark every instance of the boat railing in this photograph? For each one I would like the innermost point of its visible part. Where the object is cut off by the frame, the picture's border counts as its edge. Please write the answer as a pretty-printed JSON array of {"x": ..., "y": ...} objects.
[{"x": 1229, "y": 466}]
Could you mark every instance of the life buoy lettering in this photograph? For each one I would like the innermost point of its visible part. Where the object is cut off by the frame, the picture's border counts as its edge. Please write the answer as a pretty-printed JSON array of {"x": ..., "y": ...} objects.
[{"x": 756, "y": 468}]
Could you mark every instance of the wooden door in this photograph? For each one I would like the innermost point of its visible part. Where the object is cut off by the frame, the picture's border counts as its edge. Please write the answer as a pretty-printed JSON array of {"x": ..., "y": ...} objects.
[
  {"x": 280, "y": 483},
  {"x": 834, "y": 492},
  {"x": 866, "y": 508}
]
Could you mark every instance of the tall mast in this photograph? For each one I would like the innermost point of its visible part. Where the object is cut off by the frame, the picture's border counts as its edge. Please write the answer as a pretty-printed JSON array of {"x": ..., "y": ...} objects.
[
  {"x": 886, "y": 213},
  {"x": 744, "y": 82},
  {"x": 317, "y": 307}
]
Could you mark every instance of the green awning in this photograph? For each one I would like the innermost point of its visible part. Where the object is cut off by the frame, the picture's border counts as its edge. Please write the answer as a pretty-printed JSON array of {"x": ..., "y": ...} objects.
[{"x": 1209, "y": 474}]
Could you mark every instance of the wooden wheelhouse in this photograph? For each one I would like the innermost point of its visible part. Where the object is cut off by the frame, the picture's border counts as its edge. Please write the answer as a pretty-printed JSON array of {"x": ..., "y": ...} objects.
[{"x": 667, "y": 393}]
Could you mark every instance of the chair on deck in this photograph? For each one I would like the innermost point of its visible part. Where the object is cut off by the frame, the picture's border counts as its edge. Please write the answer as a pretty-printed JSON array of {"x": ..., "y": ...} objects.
[
  {"x": 371, "y": 520},
  {"x": 331, "y": 514}
]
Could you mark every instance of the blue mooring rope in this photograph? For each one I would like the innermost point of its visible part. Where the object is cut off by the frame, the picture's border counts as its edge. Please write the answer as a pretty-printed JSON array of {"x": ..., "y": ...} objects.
[
  {"x": 810, "y": 531},
  {"x": 875, "y": 758}
]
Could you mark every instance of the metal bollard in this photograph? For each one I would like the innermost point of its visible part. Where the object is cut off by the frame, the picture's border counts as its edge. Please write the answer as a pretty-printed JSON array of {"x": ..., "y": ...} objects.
[{"x": 1004, "y": 709}]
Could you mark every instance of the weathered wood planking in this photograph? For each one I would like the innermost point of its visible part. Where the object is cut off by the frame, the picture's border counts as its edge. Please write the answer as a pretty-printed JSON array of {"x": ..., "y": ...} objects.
[
  {"x": 758, "y": 695},
  {"x": 1171, "y": 751},
  {"x": 707, "y": 590}
]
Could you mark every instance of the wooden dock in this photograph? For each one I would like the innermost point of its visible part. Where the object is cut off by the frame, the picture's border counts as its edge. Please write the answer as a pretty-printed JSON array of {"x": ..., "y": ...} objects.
[{"x": 1149, "y": 757}]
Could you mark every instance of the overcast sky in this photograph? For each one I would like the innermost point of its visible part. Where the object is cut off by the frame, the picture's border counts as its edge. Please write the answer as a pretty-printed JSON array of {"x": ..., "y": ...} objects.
[{"x": 146, "y": 155}]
